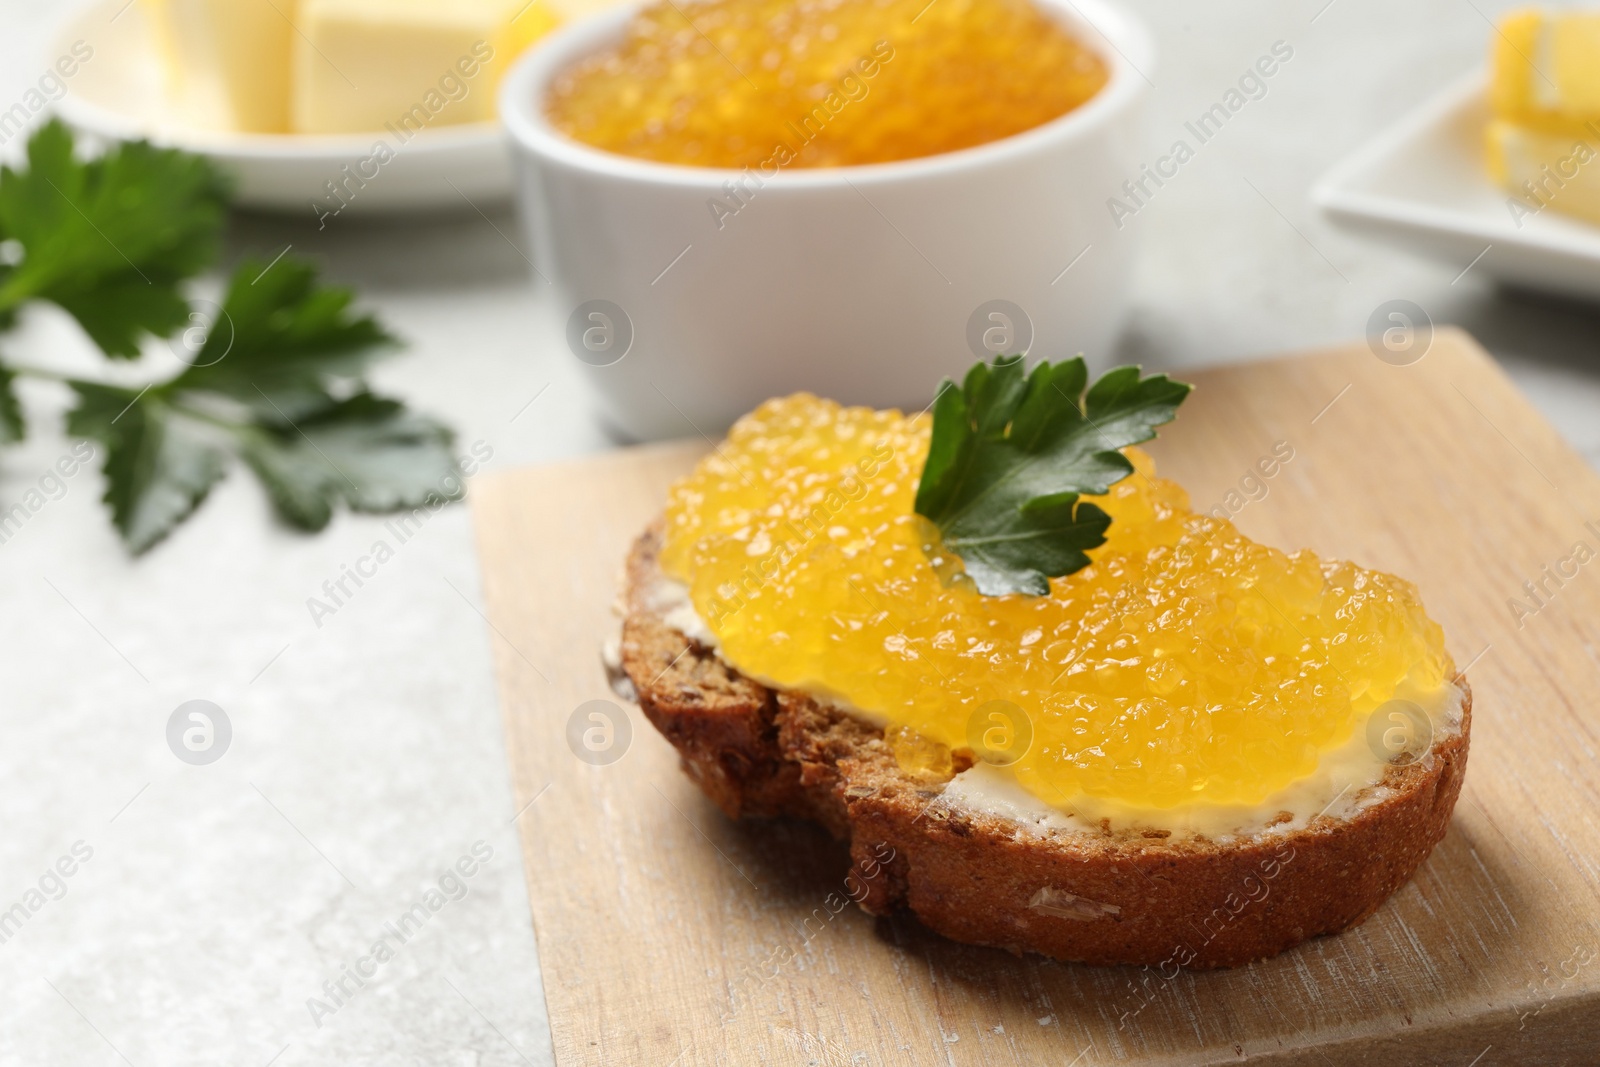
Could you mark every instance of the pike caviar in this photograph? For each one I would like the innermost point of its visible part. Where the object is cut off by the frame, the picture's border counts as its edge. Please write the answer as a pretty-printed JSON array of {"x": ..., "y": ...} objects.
[
  {"x": 823, "y": 83},
  {"x": 1186, "y": 664}
]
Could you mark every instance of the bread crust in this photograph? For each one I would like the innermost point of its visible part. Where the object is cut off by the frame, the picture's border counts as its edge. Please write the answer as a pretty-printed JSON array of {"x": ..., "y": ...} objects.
[{"x": 1107, "y": 898}]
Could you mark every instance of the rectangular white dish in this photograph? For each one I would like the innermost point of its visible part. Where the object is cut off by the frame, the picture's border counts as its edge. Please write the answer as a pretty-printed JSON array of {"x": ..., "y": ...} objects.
[{"x": 1421, "y": 186}]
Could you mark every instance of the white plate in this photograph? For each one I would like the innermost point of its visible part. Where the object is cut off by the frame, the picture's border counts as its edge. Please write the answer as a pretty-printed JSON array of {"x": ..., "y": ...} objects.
[
  {"x": 118, "y": 95},
  {"x": 1422, "y": 186}
]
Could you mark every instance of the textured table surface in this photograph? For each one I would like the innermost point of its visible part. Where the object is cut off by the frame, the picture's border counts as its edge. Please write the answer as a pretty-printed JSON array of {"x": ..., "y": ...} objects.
[{"x": 367, "y": 753}]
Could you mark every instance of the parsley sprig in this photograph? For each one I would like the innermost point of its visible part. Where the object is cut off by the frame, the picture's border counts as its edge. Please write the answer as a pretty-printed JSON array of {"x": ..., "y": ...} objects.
[
  {"x": 276, "y": 380},
  {"x": 1011, "y": 454}
]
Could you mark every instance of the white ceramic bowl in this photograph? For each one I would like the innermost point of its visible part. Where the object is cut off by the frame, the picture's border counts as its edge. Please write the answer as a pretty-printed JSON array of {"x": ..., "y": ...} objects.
[{"x": 866, "y": 284}]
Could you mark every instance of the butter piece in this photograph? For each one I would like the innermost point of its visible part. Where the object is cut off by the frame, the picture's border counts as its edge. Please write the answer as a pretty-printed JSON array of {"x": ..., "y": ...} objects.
[
  {"x": 1547, "y": 170},
  {"x": 1546, "y": 69},
  {"x": 226, "y": 61},
  {"x": 570, "y": 10},
  {"x": 406, "y": 65}
]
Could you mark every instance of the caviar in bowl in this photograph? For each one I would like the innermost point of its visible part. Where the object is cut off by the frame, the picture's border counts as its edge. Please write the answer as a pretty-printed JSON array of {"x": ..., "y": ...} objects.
[{"x": 693, "y": 292}]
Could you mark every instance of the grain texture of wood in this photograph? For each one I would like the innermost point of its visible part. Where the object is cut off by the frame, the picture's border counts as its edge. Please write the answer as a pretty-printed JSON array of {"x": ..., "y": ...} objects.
[{"x": 670, "y": 935}]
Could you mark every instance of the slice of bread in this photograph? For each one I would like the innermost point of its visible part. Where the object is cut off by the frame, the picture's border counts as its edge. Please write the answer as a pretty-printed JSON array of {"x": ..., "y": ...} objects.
[{"x": 1091, "y": 894}]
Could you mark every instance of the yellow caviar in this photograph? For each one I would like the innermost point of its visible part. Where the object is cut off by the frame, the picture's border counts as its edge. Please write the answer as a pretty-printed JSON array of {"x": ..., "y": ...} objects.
[
  {"x": 770, "y": 84},
  {"x": 1186, "y": 663}
]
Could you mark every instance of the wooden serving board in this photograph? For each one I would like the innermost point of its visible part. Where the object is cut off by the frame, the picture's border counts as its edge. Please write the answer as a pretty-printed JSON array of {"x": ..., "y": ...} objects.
[{"x": 669, "y": 935}]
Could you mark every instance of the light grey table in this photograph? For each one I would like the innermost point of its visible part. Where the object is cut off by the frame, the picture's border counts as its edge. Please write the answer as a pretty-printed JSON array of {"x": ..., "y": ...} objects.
[{"x": 367, "y": 752}]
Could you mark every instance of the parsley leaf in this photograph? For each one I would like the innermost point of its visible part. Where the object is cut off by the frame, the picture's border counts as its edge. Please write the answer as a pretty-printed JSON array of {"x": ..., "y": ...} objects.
[
  {"x": 370, "y": 452},
  {"x": 1012, "y": 452},
  {"x": 275, "y": 382},
  {"x": 281, "y": 340},
  {"x": 110, "y": 239},
  {"x": 13, "y": 426},
  {"x": 160, "y": 463}
]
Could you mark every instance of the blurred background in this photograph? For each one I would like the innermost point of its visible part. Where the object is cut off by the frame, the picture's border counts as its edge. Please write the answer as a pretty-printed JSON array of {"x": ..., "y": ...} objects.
[{"x": 366, "y": 749}]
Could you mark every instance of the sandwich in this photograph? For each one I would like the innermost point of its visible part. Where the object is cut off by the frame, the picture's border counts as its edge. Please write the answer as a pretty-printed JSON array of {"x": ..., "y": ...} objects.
[{"x": 1048, "y": 705}]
